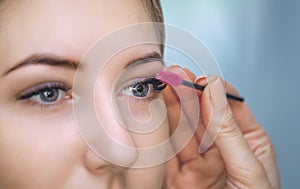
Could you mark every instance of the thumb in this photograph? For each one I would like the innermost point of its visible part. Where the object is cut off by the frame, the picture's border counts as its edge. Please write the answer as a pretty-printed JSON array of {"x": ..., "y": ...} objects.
[{"x": 219, "y": 119}]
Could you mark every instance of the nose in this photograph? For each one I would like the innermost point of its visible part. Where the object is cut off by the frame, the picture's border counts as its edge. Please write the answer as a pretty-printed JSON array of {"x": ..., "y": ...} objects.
[
  {"x": 110, "y": 144},
  {"x": 98, "y": 166},
  {"x": 109, "y": 153}
]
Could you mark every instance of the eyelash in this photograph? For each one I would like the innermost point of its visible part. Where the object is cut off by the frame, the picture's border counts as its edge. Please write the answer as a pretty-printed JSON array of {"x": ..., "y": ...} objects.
[
  {"x": 36, "y": 91},
  {"x": 156, "y": 87}
]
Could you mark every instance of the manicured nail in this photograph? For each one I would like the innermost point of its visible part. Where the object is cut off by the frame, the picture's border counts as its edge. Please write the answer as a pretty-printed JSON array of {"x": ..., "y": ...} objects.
[{"x": 201, "y": 80}]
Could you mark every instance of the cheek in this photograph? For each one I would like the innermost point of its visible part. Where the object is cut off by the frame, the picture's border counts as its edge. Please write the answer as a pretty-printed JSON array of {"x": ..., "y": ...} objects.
[
  {"x": 37, "y": 151},
  {"x": 146, "y": 119},
  {"x": 158, "y": 121},
  {"x": 152, "y": 177},
  {"x": 153, "y": 138}
]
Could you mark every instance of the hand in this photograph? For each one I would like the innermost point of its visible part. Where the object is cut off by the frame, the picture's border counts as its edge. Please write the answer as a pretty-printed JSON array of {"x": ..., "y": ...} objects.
[
  {"x": 245, "y": 149},
  {"x": 189, "y": 169}
]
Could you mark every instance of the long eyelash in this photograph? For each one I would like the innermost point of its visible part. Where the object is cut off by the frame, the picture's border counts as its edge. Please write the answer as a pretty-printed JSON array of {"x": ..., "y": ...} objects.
[
  {"x": 157, "y": 88},
  {"x": 40, "y": 88}
]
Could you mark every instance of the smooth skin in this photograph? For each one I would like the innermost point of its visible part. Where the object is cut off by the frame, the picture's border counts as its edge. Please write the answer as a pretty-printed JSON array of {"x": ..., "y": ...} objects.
[{"x": 41, "y": 148}]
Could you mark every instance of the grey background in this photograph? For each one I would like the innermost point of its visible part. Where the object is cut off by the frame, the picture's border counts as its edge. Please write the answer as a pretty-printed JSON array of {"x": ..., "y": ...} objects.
[{"x": 257, "y": 45}]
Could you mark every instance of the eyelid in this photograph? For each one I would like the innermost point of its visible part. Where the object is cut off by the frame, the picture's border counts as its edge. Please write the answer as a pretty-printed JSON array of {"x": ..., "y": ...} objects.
[
  {"x": 35, "y": 89},
  {"x": 132, "y": 82},
  {"x": 138, "y": 73}
]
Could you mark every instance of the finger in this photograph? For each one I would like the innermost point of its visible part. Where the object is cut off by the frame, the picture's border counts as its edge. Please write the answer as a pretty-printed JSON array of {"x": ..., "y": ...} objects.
[
  {"x": 207, "y": 138},
  {"x": 190, "y": 103},
  {"x": 242, "y": 115},
  {"x": 230, "y": 141},
  {"x": 207, "y": 173},
  {"x": 216, "y": 112},
  {"x": 176, "y": 116},
  {"x": 256, "y": 137},
  {"x": 241, "y": 112},
  {"x": 252, "y": 132},
  {"x": 178, "y": 102}
]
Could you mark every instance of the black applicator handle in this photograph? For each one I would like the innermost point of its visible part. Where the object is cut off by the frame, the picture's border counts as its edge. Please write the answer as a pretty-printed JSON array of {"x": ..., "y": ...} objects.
[{"x": 201, "y": 88}]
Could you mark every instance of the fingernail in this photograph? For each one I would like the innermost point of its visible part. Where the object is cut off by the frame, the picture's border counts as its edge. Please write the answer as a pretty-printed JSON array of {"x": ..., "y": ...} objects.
[
  {"x": 201, "y": 80},
  {"x": 217, "y": 93},
  {"x": 202, "y": 149}
]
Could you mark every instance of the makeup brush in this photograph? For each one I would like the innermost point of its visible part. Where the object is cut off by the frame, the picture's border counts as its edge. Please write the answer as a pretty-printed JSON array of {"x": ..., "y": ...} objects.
[{"x": 175, "y": 80}]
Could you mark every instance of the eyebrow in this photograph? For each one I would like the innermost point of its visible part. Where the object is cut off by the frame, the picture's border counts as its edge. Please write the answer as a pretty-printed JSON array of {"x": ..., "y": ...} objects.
[
  {"x": 152, "y": 57},
  {"x": 52, "y": 60},
  {"x": 44, "y": 59}
]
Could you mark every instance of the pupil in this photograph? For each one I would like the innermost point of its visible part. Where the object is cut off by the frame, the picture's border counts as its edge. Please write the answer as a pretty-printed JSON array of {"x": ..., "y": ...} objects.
[
  {"x": 49, "y": 95},
  {"x": 140, "y": 90}
]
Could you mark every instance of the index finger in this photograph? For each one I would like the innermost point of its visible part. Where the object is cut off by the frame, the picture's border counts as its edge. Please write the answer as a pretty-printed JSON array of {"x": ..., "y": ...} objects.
[{"x": 181, "y": 111}]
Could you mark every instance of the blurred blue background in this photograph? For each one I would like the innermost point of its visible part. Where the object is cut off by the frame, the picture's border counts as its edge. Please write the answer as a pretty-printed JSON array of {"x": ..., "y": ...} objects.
[{"x": 257, "y": 45}]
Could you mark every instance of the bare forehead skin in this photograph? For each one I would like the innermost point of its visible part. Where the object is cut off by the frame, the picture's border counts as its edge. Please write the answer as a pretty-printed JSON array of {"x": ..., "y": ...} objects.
[{"x": 61, "y": 27}]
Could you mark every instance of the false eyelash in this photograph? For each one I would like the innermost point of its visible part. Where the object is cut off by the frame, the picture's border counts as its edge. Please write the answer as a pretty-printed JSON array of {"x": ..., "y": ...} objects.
[
  {"x": 35, "y": 90},
  {"x": 158, "y": 86}
]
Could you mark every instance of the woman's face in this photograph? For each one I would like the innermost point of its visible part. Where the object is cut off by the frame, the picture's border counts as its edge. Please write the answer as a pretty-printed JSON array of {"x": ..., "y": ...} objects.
[{"x": 41, "y": 45}]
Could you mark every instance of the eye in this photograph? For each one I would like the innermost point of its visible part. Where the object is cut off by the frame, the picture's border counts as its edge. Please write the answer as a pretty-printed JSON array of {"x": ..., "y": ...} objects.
[
  {"x": 144, "y": 88},
  {"x": 140, "y": 90},
  {"x": 49, "y": 95},
  {"x": 45, "y": 94}
]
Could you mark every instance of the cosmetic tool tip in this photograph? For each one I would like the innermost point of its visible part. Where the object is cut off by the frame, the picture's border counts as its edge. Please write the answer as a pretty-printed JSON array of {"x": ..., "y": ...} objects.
[{"x": 169, "y": 78}]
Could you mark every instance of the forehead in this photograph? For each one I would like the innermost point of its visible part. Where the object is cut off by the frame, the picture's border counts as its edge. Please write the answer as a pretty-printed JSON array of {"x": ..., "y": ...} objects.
[{"x": 62, "y": 27}]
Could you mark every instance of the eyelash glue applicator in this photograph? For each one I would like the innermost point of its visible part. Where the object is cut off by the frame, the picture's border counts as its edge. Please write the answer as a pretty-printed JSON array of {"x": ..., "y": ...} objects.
[{"x": 175, "y": 80}]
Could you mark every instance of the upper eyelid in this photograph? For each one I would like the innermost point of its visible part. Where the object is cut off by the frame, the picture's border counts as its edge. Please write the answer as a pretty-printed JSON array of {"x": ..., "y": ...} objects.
[
  {"x": 160, "y": 86},
  {"x": 132, "y": 82},
  {"x": 145, "y": 80},
  {"x": 41, "y": 86}
]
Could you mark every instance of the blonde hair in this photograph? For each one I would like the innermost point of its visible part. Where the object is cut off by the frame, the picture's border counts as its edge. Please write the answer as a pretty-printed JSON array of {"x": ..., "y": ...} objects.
[{"x": 155, "y": 11}]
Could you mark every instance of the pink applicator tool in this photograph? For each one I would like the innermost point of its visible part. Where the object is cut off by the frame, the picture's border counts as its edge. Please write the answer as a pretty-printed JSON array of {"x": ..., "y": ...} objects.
[{"x": 176, "y": 80}]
